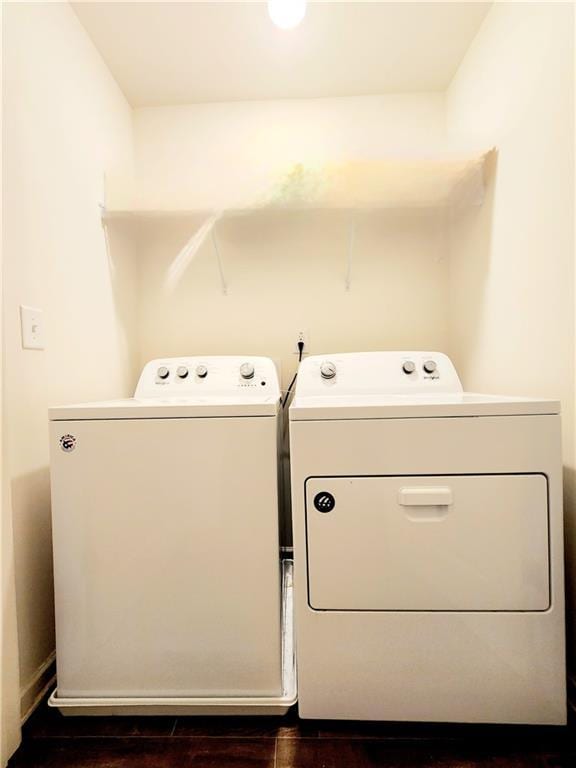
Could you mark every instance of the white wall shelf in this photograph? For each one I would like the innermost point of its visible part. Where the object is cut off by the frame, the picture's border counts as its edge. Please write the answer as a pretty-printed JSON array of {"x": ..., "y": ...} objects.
[{"x": 425, "y": 179}]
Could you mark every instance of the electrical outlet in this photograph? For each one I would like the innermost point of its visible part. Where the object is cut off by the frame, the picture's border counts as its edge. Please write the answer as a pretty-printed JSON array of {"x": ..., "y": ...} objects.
[
  {"x": 305, "y": 337},
  {"x": 32, "y": 327}
]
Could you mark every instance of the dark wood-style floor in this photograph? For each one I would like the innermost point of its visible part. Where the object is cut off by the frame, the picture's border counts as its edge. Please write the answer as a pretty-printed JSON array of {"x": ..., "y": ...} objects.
[{"x": 51, "y": 740}]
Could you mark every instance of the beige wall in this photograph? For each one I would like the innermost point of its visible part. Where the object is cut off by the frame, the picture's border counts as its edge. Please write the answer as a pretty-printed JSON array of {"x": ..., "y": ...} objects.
[
  {"x": 223, "y": 155},
  {"x": 66, "y": 123},
  {"x": 286, "y": 272},
  {"x": 9, "y": 663},
  {"x": 512, "y": 263}
]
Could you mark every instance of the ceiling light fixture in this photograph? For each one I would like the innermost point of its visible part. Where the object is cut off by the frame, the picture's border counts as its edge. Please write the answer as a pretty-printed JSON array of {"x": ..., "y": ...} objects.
[{"x": 287, "y": 14}]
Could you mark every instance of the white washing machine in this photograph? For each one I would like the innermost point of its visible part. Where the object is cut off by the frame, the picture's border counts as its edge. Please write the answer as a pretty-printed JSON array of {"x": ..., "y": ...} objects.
[
  {"x": 428, "y": 545},
  {"x": 170, "y": 593}
]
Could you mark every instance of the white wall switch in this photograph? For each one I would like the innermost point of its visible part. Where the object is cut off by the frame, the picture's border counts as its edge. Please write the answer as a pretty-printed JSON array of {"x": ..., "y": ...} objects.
[{"x": 32, "y": 327}]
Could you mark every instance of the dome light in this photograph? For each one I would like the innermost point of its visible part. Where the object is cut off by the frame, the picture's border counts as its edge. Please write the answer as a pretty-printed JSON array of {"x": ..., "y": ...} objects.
[{"x": 287, "y": 14}]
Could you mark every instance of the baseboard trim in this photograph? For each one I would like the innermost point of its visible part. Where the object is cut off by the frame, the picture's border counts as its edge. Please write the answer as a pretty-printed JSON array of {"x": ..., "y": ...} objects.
[{"x": 32, "y": 694}]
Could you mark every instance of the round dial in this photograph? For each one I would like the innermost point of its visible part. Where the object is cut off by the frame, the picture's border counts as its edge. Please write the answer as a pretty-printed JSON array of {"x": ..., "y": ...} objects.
[
  {"x": 247, "y": 371},
  {"x": 409, "y": 367},
  {"x": 327, "y": 370},
  {"x": 430, "y": 366},
  {"x": 182, "y": 372},
  {"x": 201, "y": 371},
  {"x": 163, "y": 372}
]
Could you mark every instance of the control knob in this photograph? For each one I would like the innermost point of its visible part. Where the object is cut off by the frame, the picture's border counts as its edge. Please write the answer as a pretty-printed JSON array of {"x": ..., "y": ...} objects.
[
  {"x": 163, "y": 372},
  {"x": 327, "y": 370},
  {"x": 408, "y": 367},
  {"x": 430, "y": 366},
  {"x": 201, "y": 371},
  {"x": 247, "y": 371},
  {"x": 182, "y": 371}
]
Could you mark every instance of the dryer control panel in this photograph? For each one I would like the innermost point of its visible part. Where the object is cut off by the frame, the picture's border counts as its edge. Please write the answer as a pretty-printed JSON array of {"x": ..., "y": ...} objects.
[
  {"x": 374, "y": 373},
  {"x": 209, "y": 376}
]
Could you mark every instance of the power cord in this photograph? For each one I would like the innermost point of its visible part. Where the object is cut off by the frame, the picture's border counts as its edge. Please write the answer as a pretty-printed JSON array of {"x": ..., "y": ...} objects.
[{"x": 289, "y": 390}]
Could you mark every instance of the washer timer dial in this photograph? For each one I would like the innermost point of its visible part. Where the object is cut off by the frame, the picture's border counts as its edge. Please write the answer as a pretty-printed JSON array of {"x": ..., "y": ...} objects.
[{"x": 247, "y": 371}]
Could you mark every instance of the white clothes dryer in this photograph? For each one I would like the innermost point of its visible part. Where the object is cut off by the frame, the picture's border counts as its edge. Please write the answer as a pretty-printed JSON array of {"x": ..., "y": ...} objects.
[{"x": 428, "y": 545}]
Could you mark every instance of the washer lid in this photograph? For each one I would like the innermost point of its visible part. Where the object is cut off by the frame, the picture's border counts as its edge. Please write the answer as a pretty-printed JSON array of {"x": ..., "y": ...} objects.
[
  {"x": 169, "y": 408},
  {"x": 373, "y": 406}
]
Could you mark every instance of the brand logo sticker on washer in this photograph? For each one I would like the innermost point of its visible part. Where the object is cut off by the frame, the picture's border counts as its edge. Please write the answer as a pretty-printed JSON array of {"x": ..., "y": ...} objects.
[
  {"x": 324, "y": 501},
  {"x": 68, "y": 443}
]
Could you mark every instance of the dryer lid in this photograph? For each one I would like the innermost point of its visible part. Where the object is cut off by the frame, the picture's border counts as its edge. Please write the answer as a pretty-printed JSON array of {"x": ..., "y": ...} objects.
[{"x": 373, "y": 385}]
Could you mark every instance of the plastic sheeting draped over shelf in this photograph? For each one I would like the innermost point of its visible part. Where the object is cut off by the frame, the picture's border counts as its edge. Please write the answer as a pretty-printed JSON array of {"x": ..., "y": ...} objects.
[{"x": 401, "y": 180}]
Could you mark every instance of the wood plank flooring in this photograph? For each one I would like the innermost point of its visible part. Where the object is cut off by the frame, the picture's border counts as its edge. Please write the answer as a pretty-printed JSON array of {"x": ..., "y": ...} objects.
[{"x": 51, "y": 741}]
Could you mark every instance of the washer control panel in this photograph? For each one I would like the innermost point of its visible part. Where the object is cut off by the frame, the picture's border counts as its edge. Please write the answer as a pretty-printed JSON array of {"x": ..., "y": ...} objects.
[
  {"x": 208, "y": 376},
  {"x": 386, "y": 373}
]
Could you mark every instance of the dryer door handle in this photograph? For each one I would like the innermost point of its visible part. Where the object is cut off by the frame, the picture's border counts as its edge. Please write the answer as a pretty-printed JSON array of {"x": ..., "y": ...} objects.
[{"x": 425, "y": 496}]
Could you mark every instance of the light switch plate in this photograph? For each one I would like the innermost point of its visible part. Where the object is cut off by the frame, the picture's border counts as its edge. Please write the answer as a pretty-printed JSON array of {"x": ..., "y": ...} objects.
[{"x": 32, "y": 327}]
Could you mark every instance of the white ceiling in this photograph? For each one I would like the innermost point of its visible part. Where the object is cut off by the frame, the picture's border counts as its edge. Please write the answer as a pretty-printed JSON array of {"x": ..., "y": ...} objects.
[{"x": 182, "y": 52}]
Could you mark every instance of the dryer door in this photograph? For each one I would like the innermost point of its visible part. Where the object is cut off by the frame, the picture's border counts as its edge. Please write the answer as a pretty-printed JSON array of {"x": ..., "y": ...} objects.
[{"x": 428, "y": 543}]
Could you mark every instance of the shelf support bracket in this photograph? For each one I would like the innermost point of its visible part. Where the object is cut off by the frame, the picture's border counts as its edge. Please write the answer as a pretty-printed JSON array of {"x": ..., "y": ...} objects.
[
  {"x": 106, "y": 234},
  {"x": 223, "y": 284},
  {"x": 351, "y": 244}
]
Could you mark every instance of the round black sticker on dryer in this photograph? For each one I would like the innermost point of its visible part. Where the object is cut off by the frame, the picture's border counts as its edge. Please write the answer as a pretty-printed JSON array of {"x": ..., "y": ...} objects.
[
  {"x": 324, "y": 501},
  {"x": 68, "y": 443}
]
